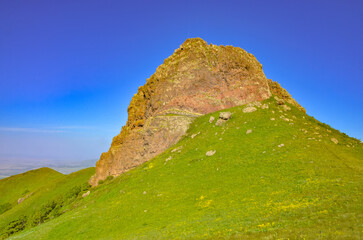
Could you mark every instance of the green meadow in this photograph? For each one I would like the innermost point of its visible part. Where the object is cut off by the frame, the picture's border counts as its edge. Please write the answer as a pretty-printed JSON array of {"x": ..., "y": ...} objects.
[{"x": 286, "y": 179}]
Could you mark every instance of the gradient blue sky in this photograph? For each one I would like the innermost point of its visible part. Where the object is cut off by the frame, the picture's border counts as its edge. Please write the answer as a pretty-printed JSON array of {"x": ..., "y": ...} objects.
[{"x": 68, "y": 69}]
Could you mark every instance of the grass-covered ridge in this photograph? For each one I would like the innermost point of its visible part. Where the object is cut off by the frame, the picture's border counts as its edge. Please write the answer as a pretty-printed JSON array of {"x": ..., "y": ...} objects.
[
  {"x": 23, "y": 185},
  {"x": 52, "y": 198},
  {"x": 285, "y": 179}
]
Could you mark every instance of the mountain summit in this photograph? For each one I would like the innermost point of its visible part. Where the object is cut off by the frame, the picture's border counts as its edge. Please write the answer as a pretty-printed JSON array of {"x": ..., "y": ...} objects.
[
  {"x": 263, "y": 169},
  {"x": 195, "y": 80}
]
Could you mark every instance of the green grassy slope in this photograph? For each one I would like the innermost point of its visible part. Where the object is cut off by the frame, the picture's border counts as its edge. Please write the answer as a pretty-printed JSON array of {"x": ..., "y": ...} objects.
[
  {"x": 251, "y": 188},
  {"x": 51, "y": 190},
  {"x": 18, "y": 186}
]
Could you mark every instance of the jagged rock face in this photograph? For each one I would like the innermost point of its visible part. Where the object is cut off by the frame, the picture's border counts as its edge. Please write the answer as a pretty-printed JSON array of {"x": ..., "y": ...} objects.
[
  {"x": 277, "y": 90},
  {"x": 196, "y": 79}
]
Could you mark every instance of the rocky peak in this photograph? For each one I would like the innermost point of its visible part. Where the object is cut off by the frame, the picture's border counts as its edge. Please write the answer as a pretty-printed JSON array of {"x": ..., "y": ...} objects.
[{"x": 196, "y": 79}]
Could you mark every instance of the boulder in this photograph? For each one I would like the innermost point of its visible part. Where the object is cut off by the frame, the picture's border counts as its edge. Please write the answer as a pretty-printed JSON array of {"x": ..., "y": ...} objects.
[
  {"x": 211, "y": 119},
  {"x": 286, "y": 108},
  {"x": 86, "y": 194},
  {"x": 264, "y": 106},
  {"x": 334, "y": 140},
  {"x": 280, "y": 102},
  {"x": 210, "y": 153},
  {"x": 225, "y": 115},
  {"x": 257, "y": 104},
  {"x": 220, "y": 122},
  {"x": 169, "y": 158},
  {"x": 20, "y": 200},
  {"x": 177, "y": 149},
  {"x": 194, "y": 135},
  {"x": 252, "y": 104},
  {"x": 249, "y": 109}
]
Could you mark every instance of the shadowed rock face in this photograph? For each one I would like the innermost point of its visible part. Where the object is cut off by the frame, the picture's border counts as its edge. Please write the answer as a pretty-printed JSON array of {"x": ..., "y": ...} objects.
[{"x": 196, "y": 79}]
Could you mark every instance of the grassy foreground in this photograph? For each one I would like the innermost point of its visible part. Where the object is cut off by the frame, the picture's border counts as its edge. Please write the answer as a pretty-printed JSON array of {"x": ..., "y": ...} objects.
[{"x": 285, "y": 179}]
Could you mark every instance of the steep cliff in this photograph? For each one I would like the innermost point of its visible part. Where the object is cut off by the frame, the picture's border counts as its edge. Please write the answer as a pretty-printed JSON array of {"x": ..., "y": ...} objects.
[{"x": 196, "y": 79}]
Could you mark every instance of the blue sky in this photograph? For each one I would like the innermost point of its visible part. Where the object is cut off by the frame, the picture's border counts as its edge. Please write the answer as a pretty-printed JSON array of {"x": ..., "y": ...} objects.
[{"x": 68, "y": 69}]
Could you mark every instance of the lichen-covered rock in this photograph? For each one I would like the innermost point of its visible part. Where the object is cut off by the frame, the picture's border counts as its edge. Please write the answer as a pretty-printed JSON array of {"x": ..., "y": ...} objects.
[
  {"x": 280, "y": 101},
  {"x": 286, "y": 108},
  {"x": 334, "y": 140},
  {"x": 264, "y": 106},
  {"x": 86, "y": 194},
  {"x": 277, "y": 90},
  {"x": 210, "y": 153},
  {"x": 225, "y": 115},
  {"x": 196, "y": 79},
  {"x": 254, "y": 104},
  {"x": 211, "y": 119},
  {"x": 220, "y": 122},
  {"x": 20, "y": 200},
  {"x": 195, "y": 134},
  {"x": 249, "y": 109}
]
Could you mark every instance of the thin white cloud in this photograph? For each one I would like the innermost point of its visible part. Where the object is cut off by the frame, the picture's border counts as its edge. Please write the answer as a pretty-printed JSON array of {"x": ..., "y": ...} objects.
[
  {"x": 29, "y": 130},
  {"x": 73, "y": 127}
]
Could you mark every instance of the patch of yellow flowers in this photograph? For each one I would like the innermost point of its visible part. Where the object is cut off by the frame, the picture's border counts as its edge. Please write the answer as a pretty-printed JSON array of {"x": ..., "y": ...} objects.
[{"x": 203, "y": 203}]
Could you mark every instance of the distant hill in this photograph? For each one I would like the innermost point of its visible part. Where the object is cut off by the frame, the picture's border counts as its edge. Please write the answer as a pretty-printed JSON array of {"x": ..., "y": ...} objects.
[
  {"x": 17, "y": 186},
  {"x": 9, "y": 167},
  {"x": 270, "y": 171},
  {"x": 46, "y": 194}
]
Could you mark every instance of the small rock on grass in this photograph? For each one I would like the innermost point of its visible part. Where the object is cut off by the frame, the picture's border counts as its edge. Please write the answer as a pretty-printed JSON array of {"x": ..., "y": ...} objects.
[
  {"x": 334, "y": 140},
  {"x": 194, "y": 135},
  {"x": 286, "y": 108},
  {"x": 211, "y": 119},
  {"x": 225, "y": 115},
  {"x": 210, "y": 153},
  {"x": 86, "y": 194},
  {"x": 249, "y": 109},
  {"x": 280, "y": 101},
  {"x": 220, "y": 122},
  {"x": 249, "y": 131},
  {"x": 177, "y": 149},
  {"x": 264, "y": 106}
]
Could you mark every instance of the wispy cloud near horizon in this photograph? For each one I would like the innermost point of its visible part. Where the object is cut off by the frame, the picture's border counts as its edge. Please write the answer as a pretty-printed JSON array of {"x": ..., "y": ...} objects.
[
  {"x": 59, "y": 129},
  {"x": 73, "y": 127},
  {"x": 29, "y": 130}
]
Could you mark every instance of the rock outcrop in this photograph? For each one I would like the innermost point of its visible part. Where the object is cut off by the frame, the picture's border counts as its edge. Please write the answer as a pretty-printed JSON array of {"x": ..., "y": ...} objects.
[
  {"x": 277, "y": 90},
  {"x": 20, "y": 200},
  {"x": 196, "y": 79}
]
